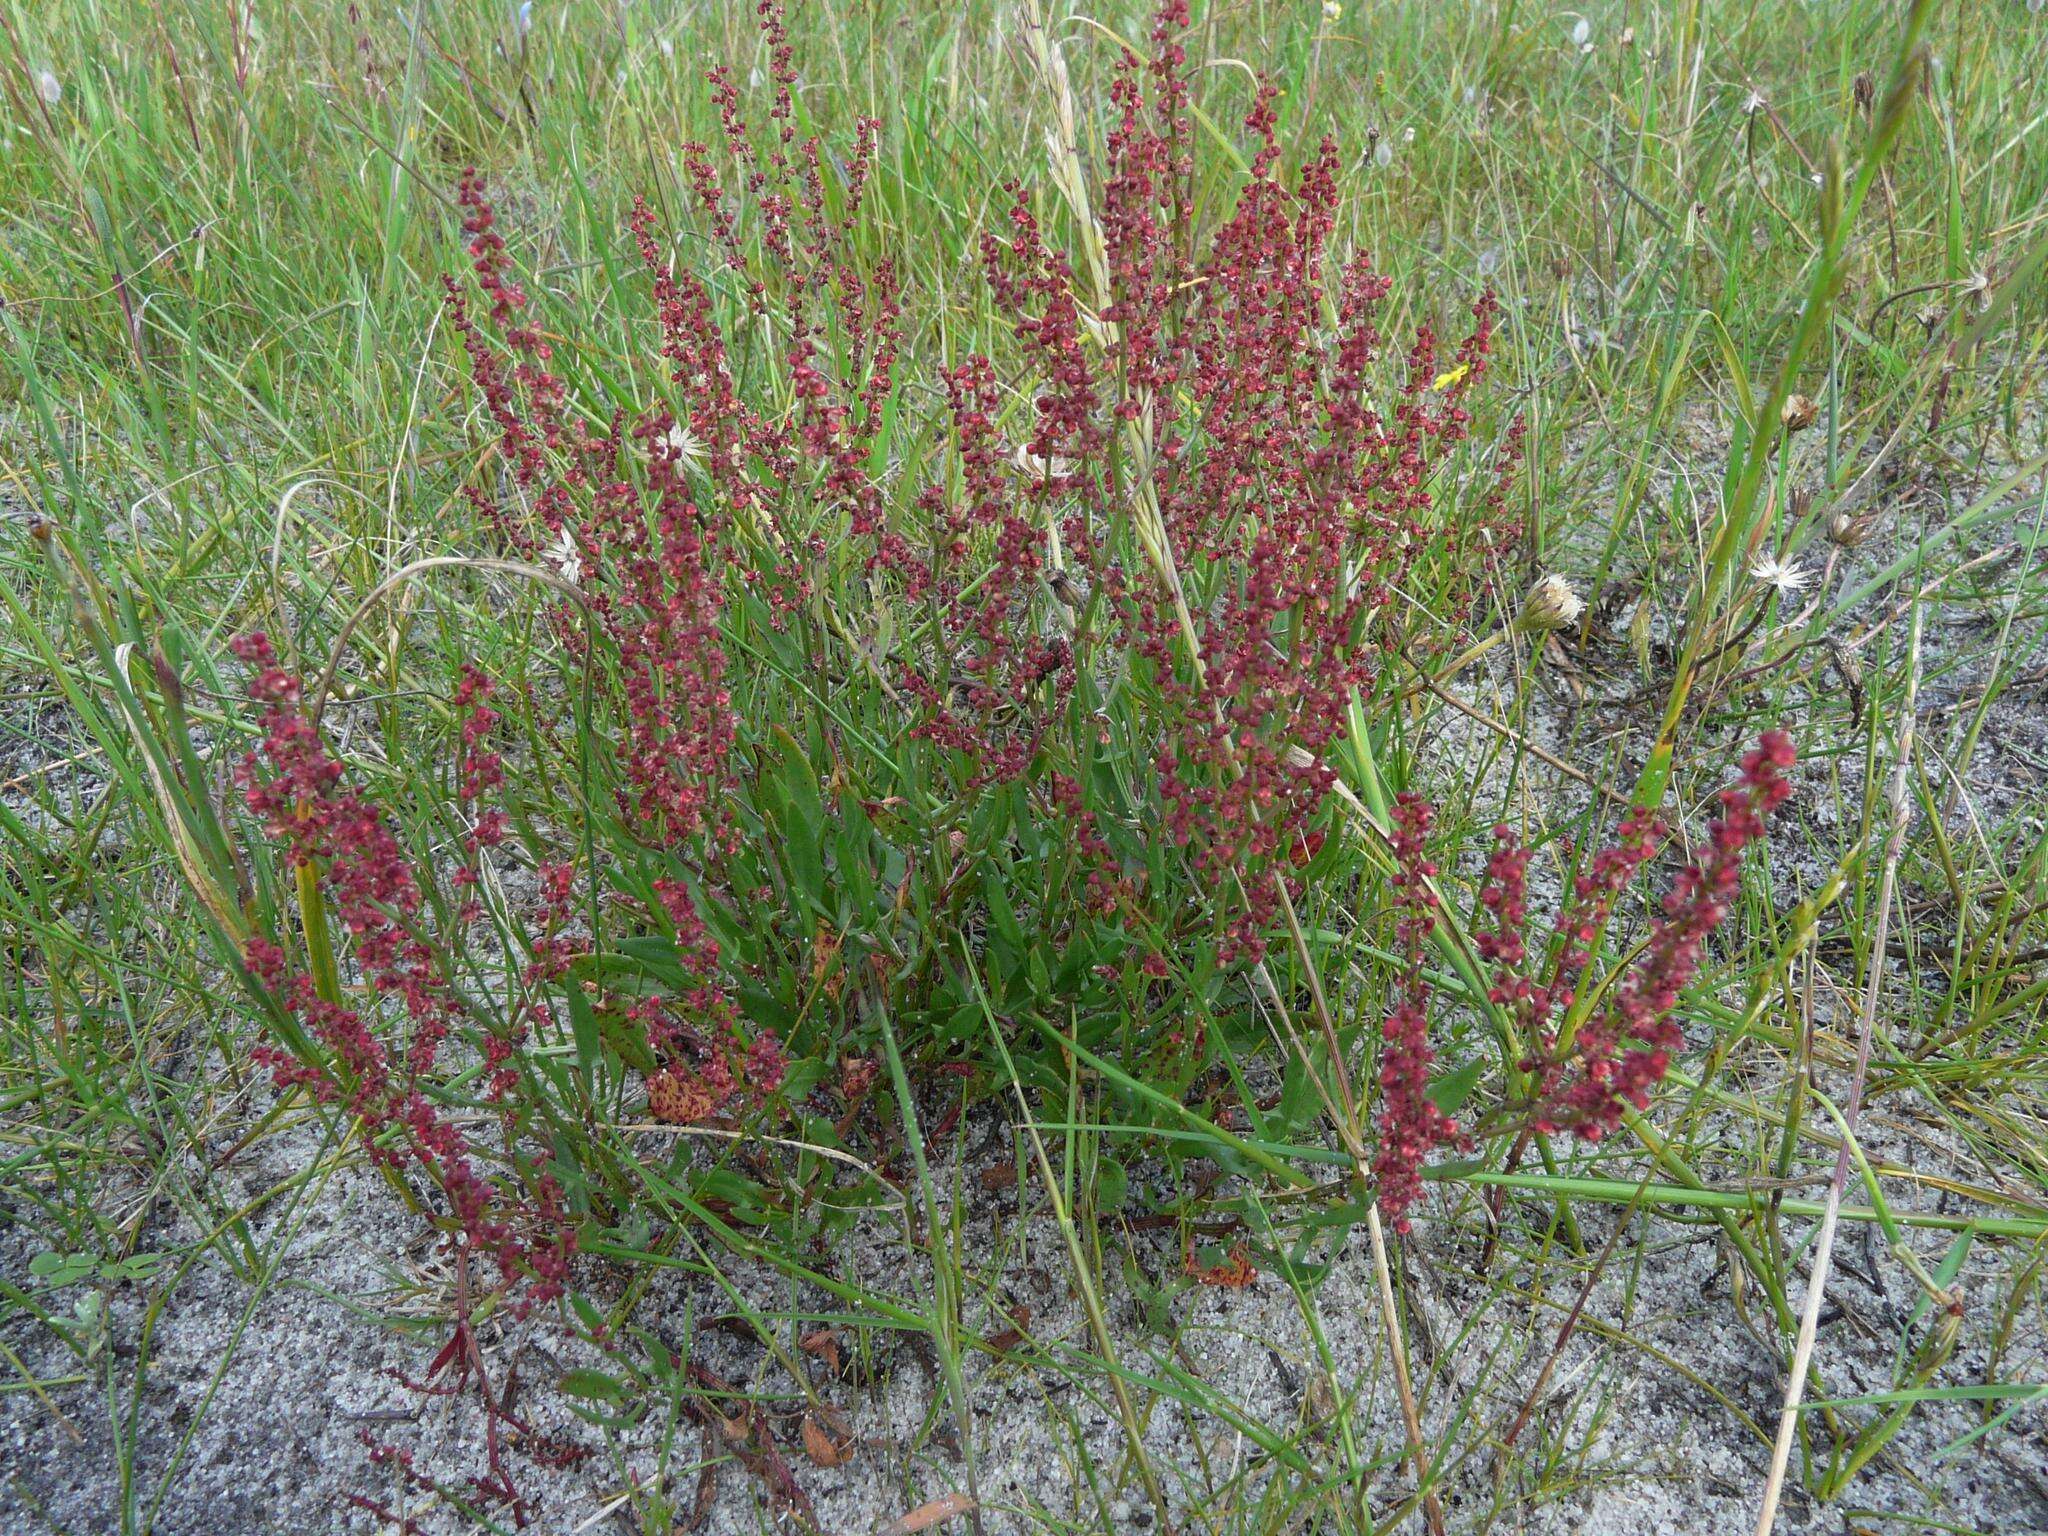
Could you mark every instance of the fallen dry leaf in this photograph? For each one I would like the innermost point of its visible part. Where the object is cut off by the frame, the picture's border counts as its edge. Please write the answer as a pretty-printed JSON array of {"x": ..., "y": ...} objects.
[
  {"x": 822, "y": 1345},
  {"x": 828, "y": 1440},
  {"x": 1002, "y": 1343},
  {"x": 925, "y": 1516}
]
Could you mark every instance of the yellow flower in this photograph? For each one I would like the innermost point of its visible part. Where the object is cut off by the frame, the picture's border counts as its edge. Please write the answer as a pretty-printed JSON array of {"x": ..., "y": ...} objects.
[{"x": 1446, "y": 380}]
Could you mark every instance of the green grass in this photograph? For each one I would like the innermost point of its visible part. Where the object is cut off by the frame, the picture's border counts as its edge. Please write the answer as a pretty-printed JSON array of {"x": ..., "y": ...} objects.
[{"x": 229, "y": 379}]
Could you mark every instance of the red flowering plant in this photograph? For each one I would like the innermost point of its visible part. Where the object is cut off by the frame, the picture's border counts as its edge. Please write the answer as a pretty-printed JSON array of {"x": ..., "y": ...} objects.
[
  {"x": 356, "y": 945},
  {"x": 1086, "y": 666},
  {"x": 937, "y": 691},
  {"x": 380, "y": 1041},
  {"x": 1046, "y": 662}
]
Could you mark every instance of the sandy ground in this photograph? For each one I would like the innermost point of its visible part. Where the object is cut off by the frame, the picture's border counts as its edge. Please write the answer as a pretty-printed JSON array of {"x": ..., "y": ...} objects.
[{"x": 313, "y": 1368}]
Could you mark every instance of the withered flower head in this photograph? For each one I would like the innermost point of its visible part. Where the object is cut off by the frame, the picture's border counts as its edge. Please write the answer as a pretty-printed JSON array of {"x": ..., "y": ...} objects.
[
  {"x": 1799, "y": 412},
  {"x": 1848, "y": 530},
  {"x": 1551, "y": 604}
]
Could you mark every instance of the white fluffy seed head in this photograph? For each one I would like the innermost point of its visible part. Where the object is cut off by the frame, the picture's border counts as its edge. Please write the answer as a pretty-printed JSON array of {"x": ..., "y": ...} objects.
[{"x": 1551, "y": 604}]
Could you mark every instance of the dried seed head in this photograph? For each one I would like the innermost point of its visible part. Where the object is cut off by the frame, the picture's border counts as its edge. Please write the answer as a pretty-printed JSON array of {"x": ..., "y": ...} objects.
[
  {"x": 1799, "y": 412},
  {"x": 1551, "y": 604},
  {"x": 1037, "y": 466},
  {"x": 1848, "y": 530}
]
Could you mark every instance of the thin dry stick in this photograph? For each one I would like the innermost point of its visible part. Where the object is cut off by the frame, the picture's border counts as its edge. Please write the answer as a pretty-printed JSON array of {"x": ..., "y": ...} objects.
[
  {"x": 1411, "y": 1420},
  {"x": 1809, "y": 1320},
  {"x": 1569, "y": 1326},
  {"x": 1501, "y": 728}
]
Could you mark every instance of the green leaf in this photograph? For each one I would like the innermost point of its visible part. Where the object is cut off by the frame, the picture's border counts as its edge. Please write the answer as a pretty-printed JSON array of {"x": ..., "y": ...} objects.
[
  {"x": 583, "y": 1025},
  {"x": 803, "y": 822},
  {"x": 1299, "y": 1102},
  {"x": 1112, "y": 1185},
  {"x": 1449, "y": 1092},
  {"x": 595, "y": 1385},
  {"x": 138, "y": 1266},
  {"x": 878, "y": 455},
  {"x": 55, "y": 1269},
  {"x": 1001, "y": 914},
  {"x": 802, "y": 1076}
]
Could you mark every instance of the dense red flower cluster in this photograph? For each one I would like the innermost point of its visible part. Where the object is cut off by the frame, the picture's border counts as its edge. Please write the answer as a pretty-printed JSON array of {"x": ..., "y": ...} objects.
[
  {"x": 1277, "y": 508},
  {"x": 618, "y": 514},
  {"x": 524, "y": 438},
  {"x": 1216, "y": 494},
  {"x": 1209, "y": 492},
  {"x": 550, "y": 952},
  {"x": 1530, "y": 1002},
  {"x": 1410, "y": 1124},
  {"x": 298, "y": 790},
  {"x": 1623, "y": 1048},
  {"x": 992, "y": 663},
  {"x": 841, "y": 378},
  {"x": 698, "y": 1035}
]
